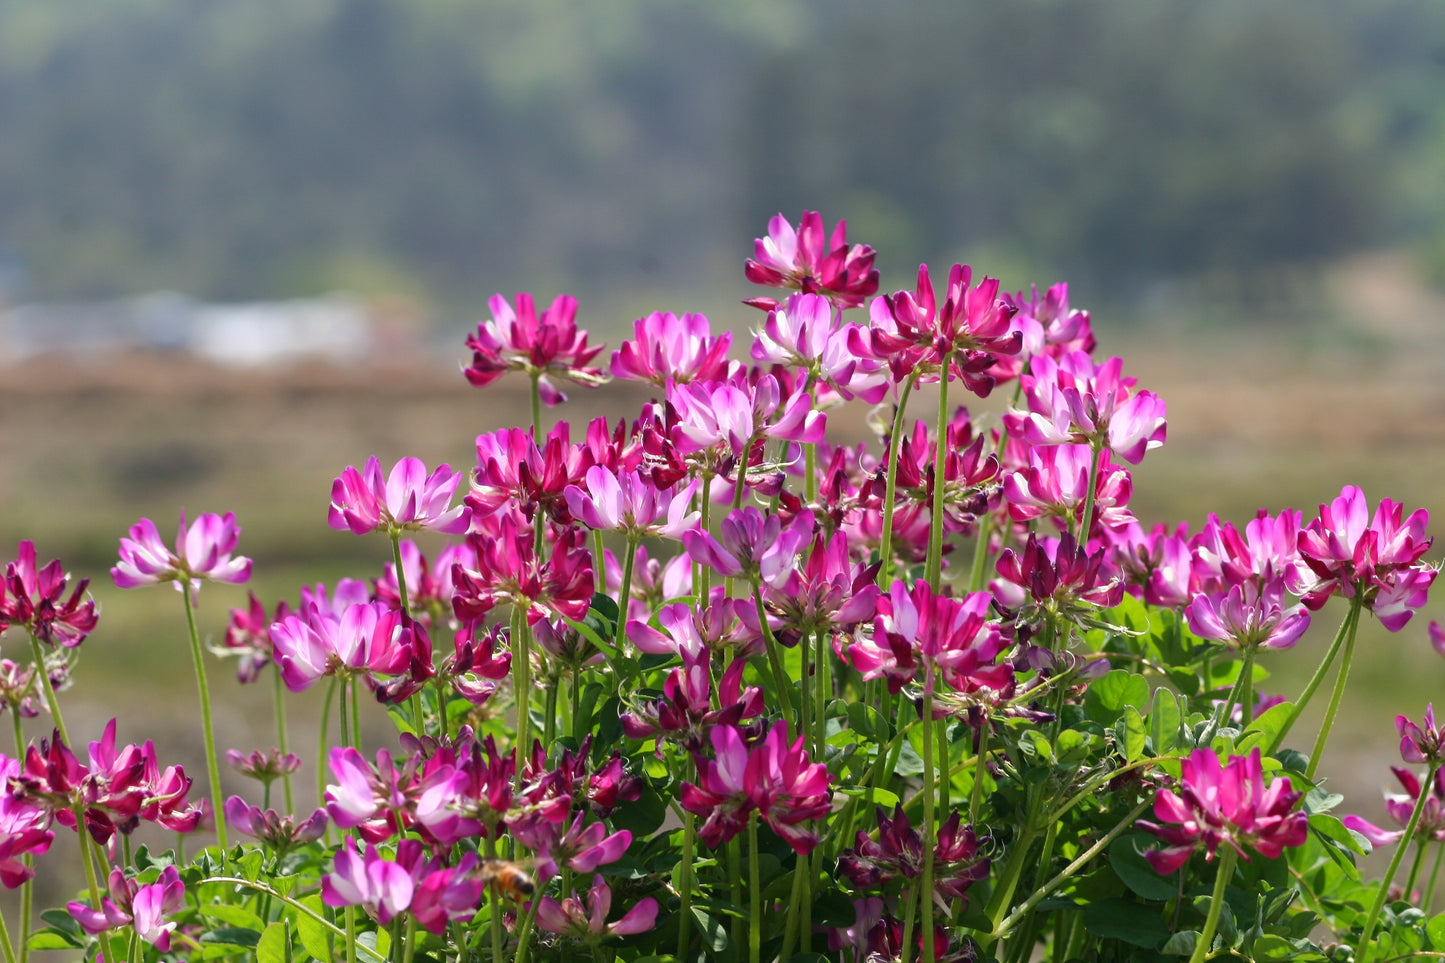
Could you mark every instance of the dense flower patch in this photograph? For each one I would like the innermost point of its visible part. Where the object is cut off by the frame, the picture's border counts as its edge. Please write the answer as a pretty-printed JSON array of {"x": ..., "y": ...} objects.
[{"x": 704, "y": 684}]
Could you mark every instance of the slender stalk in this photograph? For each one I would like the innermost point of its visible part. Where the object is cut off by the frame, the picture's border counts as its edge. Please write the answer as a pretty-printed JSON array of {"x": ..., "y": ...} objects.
[
  {"x": 49, "y": 689},
  {"x": 298, "y": 907},
  {"x": 342, "y": 718},
  {"x": 278, "y": 699},
  {"x": 522, "y": 684},
  {"x": 1246, "y": 684},
  {"x": 684, "y": 887},
  {"x": 909, "y": 903},
  {"x": 625, "y": 591},
  {"x": 775, "y": 662},
  {"x": 810, "y": 472},
  {"x": 890, "y": 488},
  {"x": 495, "y": 895},
  {"x": 536, "y": 408},
  {"x": 1364, "y": 951},
  {"x": 735, "y": 884},
  {"x": 980, "y": 773},
  {"x": 321, "y": 746},
  {"x": 1415, "y": 865},
  {"x": 213, "y": 770},
  {"x": 5, "y": 939},
  {"x": 1216, "y": 905},
  {"x": 524, "y": 930},
  {"x": 409, "y": 938},
  {"x": 928, "y": 830},
  {"x": 1336, "y": 695},
  {"x": 356, "y": 713},
  {"x": 1347, "y": 627},
  {"x": 822, "y": 689},
  {"x": 790, "y": 931},
  {"x": 549, "y": 714},
  {"x": 702, "y": 574},
  {"x": 934, "y": 570},
  {"x": 755, "y": 894},
  {"x": 1429, "y": 902},
  {"x": 1086, "y": 522},
  {"x": 599, "y": 561}
]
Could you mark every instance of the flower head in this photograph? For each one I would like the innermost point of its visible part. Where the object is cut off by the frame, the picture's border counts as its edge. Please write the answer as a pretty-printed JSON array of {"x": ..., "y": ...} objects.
[
  {"x": 586, "y": 917},
  {"x": 545, "y": 346},
  {"x": 35, "y": 598},
  {"x": 803, "y": 261},
  {"x": 129, "y": 903},
  {"x": 203, "y": 551},
  {"x": 406, "y": 500},
  {"x": 1221, "y": 804},
  {"x": 666, "y": 348}
]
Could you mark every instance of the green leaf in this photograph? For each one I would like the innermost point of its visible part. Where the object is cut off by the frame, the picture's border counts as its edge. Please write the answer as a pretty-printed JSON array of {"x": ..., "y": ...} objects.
[
  {"x": 232, "y": 936},
  {"x": 1262, "y": 731},
  {"x": 238, "y": 916},
  {"x": 1182, "y": 944},
  {"x": 1271, "y": 947},
  {"x": 64, "y": 922},
  {"x": 1132, "y": 923},
  {"x": 272, "y": 946},
  {"x": 1435, "y": 932},
  {"x": 1126, "y": 856},
  {"x": 378, "y": 939},
  {"x": 714, "y": 934},
  {"x": 1164, "y": 721},
  {"x": 1108, "y": 696},
  {"x": 315, "y": 938},
  {"x": 1130, "y": 734},
  {"x": 52, "y": 940}
]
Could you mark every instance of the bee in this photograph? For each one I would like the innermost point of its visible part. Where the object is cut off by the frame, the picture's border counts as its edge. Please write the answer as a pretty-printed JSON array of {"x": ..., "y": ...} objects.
[{"x": 513, "y": 880}]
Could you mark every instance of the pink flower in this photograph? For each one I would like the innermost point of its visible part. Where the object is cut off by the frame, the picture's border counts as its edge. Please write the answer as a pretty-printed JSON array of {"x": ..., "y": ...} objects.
[
  {"x": 129, "y": 903},
  {"x": 950, "y": 637},
  {"x": 546, "y": 347},
  {"x": 513, "y": 472},
  {"x": 898, "y": 851},
  {"x": 1268, "y": 549},
  {"x": 279, "y": 833},
  {"x": 1422, "y": 743},
  {"x": 751, "y": 544},
  {"x": 510, "y": 570},
  {"x": 630, "y": 503},
  {"x": 383, "y": 887},
  {"x": 1073, "y": 401},
  {"x": 587, "y": 917},
  {"x": 35, "y": 598},
  {"x": 1380, "y": 559},
  {"x": 668, "y": 348},
  {"x": 1400, "y": 806},
  {"x": 685, "y": 712},
  {"x": 734, "y": 414},
  {"x": 370, "y": 639},
  {"x": 249, "y": 637},
  {"x": 579, "y": 846},
  {"x": 24, "y": 829},
  {"x": 913, "y": 333},
  {"x": 803, "y": 261},
  {"x": 809, "y": 334},
  {"x": 830, "y": 593},
  {"x": 1249, "y": 615},
  {"x": 1157, "y": 566},
  {"x": 773, "y": 778},
  {"x": 202, "y": 551},
  {"x": 1224, "y": 804},
  {"x": 1059, "y": 574},
  {"x": 406, "y": 500},
  {"x": 1056, "y": 485},
  {"x": 1048, "y": 325}
]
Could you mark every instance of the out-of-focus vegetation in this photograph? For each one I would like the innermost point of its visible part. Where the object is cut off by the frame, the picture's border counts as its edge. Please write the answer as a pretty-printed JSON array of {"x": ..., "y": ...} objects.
[{"x": 450, "y": 149}]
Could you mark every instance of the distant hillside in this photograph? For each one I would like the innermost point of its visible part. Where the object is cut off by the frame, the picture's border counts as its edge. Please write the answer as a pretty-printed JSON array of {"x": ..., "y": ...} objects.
[{"x": 448, "y": 149}]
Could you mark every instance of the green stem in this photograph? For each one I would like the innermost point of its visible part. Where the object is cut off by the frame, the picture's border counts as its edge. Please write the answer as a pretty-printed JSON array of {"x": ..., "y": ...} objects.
[
  {"x": 410, "y": 939},
  {"x": 755, "y": 893},
  {"x": 790, "y": 931},
  {"x": 1429, "y": 900},
  {"x": 599, "y": 562},
  {"x": 213, "y": 770},
  {"x": 49, "y": 689},
  {"x": 549, "y": 714},
  {"x": 810, "y": 472},
  {"x": 702, "y": 574},
  {"x": 26, "y": 888},
  {"x": 1336, "y": 695},
  {"x": 522, "y": 685},
  {"x": 524, "y": 930},
  {"x": 684, "y": 887},
  {"x": 1216, "y": 906},
  {"x": 775, "y": 662},
  {"x": 1415, "y": 867},
  {"x": 980, "y": 773},
  {"x": 619, "y": 631},
  {"x": 735, "y": 884},
  {"x": 5, "y": 939},
  {"x": 278, "y": 698},
  {"x": 1086, "y": 522},
  {"x": 934, "y": 570},
  {"x": 1364, "y": 950},
  {"x": 910, "y": 901},
  {"x": 356, "y": 713},
  {"x": 342, "y": 717},
  {"x": 928, "y": 830},
  {"x": 322, "y": 759},
  {"x": 890, "y": 489},
  {"x": 495, "y": 894},
  {"x": 1246, "y": 684},
  {"x": 536, "y": 409},
  {"x": 822, "y": 689},
  {"x": 400, "y": 573},
  {"x": 1347, "y": 628}
]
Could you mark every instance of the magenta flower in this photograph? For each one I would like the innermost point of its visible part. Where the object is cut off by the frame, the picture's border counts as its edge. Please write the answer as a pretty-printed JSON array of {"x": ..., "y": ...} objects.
[
  {"x": 131, "y": 904},
  {"x": 1400, "y": 806},
  {"x": 278, "y": 833},
  {"x": 803, "y": 261},
  {"x": 514, "y": 473},
  {"x": 579, "y": 846},
  {"x": 262, "y": 766},
  {"x": 1224, "y": 804},
  {"x": 734, "y": 414},
  {"x": 898, "y": 851},
  {"x": 773, "y": 778},
  {"x": 1056, "y": 485},
  {"x": 406, "y": 500},
  {"x": 543, "y": 347},
  {"x": 249, "y": 637},
  {"x": 751, "y": 544},
  {"x": 383, "y": 887},
  {"x": 1267, "y": 549},
  {"x": 510, "y": 570},
  {"x": 1378, "y": 558},
  {"x": 830, "y": 593},
  {"x": 951, "y": 638},
  {"x": 1073, "y": 401},
  {"x": 667, "y": 348},
  {"x": 1157, "y": 566},
  {"x": 19, "y": 692},
  {"x": 203, "y": 551},
  {"x": 35, "y": 598},
  {"x": 587, "y": 917},
  {"x": 369, "y": 640},
  {"x": 1249, "y": 615},
  {"x": 630, "y": 503},
  {"x": 914, "y": 334},
  {"x": 810, "y": 334},
  {"x": 685, "y": 713},
  {"x": 1058, "y": 574},
  {"x": 1422, "y": 743},
  {"x": 1048, "y": 326},
  {"x": 24, "y": 829}
]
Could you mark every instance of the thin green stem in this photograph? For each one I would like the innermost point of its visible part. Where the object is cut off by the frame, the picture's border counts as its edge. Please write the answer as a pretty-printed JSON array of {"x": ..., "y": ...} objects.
[
  {"x": 495, "y": 895},
  {"x": 1347, "y": 628},
  {"x": 822, "y": 689},
  {"x": 910, "y": 902},
  {"x": 213, "y": 770},
  {"x": 755, "y": 894},
  {"x": 1086, "y": 521},
  {"x": 343, "y": 719},
  {"x": 1415, "y": 865},
  {"x": 619, "y": 630},
  {"x": 810, "y": 472},
  {"x": 356, "y": 713},
  {"x": 321, "y": 747},
  {"x": 934, "y": 570},
  {"x": 1364, "y": 950},
  {"x": 524, "y": 930},
  {"x": 409, "y": 938},
  {"x": 1216, "y": 905},
  {"x": 5, "y": 939},
  {"x": 522, "y": 684},
  {"x": 50, "y": 700},
  {"x": 537, "y": 408},
  {"x": 684, "y": 886},
  {"x": 980, "y": 773},
  {"x": 790, "y": 930},
  {"x": 298, "y": 907},
  {"x": 929, "y": 831},
  {"x": 278, "y": 698},
  {"x": 599, "y": 561},
  {"x": 1336, "y": 695},
  {"x": 1429, "y": 902},
  {"x": 775, "y": 662},
  {"x": 890, "y": 488},
  {"x": 1246, "y": 685},
  {"x": 26, "y": 888}
]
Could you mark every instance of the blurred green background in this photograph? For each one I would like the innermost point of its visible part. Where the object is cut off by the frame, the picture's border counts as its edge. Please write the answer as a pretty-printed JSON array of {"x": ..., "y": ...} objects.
[{"x": 1248, "y": 196}]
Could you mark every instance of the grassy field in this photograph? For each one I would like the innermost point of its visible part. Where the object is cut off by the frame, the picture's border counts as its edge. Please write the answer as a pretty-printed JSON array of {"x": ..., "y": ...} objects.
[{"x": 87, "y": 448}]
